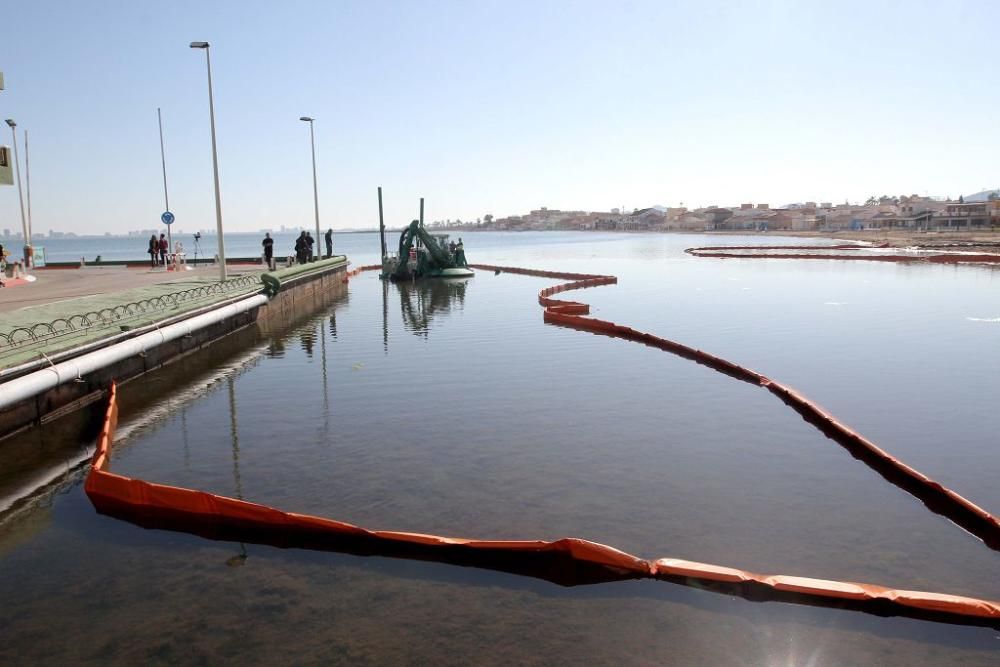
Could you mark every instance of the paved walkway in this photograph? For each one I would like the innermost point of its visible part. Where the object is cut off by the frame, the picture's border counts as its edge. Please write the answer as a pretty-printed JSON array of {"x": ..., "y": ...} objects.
[
  {"x": 58, "y": 284},
  {"x": 65, "y": 308}
]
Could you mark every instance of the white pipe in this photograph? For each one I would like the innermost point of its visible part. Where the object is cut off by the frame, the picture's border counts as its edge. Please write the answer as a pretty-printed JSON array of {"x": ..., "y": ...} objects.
[{"x": 28, "y": 386}]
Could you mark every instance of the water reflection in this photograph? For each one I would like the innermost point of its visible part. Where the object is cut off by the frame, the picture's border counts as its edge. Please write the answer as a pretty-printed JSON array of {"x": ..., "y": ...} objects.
[
  {"x": 240, "y": 558},
  {"x": 308, "y": 338},
  {"x": 326, "y": 385},
  {"x": 420, "y": 301}
]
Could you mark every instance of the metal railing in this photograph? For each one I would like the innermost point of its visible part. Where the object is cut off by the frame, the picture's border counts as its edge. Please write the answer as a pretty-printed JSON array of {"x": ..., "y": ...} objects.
[{"x": 42, "y": 332}]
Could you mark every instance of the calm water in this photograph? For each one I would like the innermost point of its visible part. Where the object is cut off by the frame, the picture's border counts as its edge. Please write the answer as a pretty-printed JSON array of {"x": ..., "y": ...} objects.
[{"x": 452, "y": 408}]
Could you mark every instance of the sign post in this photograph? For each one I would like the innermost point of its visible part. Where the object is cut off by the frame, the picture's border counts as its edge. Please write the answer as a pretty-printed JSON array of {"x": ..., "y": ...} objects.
[{"x": 168, "y": 219}]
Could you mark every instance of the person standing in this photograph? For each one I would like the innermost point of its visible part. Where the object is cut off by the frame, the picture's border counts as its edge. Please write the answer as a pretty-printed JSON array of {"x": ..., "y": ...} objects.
[
  {"x": 268, "y": 244},
  {"x": 300, "y": 248},
  {"x": 164, "y": 248},
  {"x": 329, "y": 242},
  {"x": 153, "y": 250},
  {"x": 310, "y": 241}
]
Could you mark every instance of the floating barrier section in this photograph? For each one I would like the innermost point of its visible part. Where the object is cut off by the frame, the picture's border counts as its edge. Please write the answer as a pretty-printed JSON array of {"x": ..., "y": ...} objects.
[
  {"x": 568, "y": 560},
  {"x": 769, "y": 252},
  {"x": 361, "y": 269}
]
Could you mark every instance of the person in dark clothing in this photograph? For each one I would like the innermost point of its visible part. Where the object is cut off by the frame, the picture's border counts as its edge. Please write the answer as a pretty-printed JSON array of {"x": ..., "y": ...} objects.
[
  {"x": 153, "y": 250},
  {"x": 329, "y": 242},
  {"x": 268, "y": 244},
  {"x": 164, "y": 247},
  {"x": 309, "y": 246},
  {"x": 301, "y": 248}
]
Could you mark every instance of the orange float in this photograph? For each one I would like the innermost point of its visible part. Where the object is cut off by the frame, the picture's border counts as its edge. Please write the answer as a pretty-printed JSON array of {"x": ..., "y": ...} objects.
[{"x": 568, "y": 561}]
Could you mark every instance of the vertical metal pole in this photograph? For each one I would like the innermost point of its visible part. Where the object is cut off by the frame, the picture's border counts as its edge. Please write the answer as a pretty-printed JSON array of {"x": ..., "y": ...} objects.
[
  {"x": 20, "y": 196},
  {"x": 27, "y": 181},
  {"x": 166, "y": 198},
  {"x": 312, "y": 142},
  {"x": 421, "y": 211},
  {"x": 215, "y": 169},
  {"x": 381, "y": 225}
]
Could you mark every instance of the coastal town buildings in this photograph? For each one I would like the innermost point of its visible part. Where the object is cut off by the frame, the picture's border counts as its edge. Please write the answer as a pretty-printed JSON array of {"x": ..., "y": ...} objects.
[{"x": 912, "y": 212}]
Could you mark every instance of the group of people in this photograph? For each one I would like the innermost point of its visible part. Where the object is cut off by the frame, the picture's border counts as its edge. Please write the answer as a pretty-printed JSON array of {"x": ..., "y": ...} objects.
[
  {"x": 303, "y": 247},
  {"x": 158, "y": 249}
]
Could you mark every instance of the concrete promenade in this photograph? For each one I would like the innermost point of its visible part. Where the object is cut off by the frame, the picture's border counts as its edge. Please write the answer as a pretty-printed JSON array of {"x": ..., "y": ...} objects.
[
  {"x": 127, "y": 299},
  {"x": 59, "y": 284},
  {"x": 59, "y": 355}
]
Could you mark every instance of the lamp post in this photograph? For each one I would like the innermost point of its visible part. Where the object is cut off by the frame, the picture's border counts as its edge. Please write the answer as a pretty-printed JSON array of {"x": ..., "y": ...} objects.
[
  {"x": 166, "y": 198},
  {"x": 27, "y": 184},
  {"x": 215, "y": 162},
  {"x": 20, "y": 195},
  {"x": 312, "y": 143}
]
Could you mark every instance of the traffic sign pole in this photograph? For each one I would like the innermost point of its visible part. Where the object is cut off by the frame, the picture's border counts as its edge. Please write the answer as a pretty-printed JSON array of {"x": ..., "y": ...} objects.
[{"x": 167, "y": 218}]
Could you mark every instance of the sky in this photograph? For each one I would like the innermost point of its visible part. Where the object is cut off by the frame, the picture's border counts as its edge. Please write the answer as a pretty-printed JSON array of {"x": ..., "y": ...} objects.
[{"x": 487, "y": 107}]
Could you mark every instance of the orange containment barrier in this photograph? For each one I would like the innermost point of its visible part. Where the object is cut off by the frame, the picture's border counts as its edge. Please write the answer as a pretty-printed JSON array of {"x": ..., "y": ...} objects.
[
  {"x": 568, "y": 561},
  {"x": 769, "y": 252},
  {"x": 360, "y": 269}
]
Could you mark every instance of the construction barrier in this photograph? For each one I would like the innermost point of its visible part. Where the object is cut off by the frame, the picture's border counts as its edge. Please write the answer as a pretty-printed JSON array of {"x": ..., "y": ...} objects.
[
  {"x": 568, "y": 561},
  {"x": 740, "y": 252},
  {"x": 367, "y": 267}
]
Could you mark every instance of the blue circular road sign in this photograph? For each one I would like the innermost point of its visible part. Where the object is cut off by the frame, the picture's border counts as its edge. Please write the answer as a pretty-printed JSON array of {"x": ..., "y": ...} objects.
[{"x": 167, "y": 217}]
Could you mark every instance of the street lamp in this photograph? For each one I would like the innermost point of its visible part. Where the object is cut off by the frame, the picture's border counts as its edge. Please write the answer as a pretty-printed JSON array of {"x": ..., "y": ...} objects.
[
  {"x": 312, "y": 142},
  {"x": 215, "y": 162},
  {"x": 20, "y": 195}
]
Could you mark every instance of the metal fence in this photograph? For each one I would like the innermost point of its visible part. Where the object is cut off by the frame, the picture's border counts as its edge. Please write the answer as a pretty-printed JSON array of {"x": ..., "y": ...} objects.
[{"x": 43, "y": 332}]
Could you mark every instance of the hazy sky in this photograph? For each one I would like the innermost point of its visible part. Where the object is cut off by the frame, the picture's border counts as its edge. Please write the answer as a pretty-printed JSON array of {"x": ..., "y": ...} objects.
[{"x": 492, "y": 107}]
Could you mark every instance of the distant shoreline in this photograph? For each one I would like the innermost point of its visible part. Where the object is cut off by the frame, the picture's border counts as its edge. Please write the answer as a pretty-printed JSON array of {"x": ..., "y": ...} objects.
[{"x": 895, "y": 237}]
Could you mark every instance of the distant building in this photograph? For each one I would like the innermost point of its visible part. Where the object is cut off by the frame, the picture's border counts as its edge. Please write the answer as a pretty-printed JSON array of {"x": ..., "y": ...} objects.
[
  {"x": 716, "y": 216},
  {"x": 643, "y": 220},
  {"x": 964, "y": 216}
]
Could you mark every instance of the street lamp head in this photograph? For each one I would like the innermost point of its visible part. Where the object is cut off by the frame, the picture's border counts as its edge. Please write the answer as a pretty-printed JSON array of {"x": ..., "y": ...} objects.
[
  {"x": 199, "y": 45},
  {"x": 10, "y": 121},
  {"x": 306, "y": 118}
]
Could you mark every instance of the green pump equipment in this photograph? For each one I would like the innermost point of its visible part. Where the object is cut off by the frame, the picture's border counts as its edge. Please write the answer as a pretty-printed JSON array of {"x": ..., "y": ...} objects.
[{"x": 425, "y": 255}]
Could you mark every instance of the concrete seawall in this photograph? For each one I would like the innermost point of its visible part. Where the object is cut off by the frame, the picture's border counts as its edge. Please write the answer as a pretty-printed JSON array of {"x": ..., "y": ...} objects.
[{"x": 298, "y": 293}]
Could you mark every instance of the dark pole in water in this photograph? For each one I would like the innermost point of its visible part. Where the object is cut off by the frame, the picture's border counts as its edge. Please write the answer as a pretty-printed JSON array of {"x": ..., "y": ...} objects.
[
  {"x": 385, "y": 316},
  {"x": 421, "y": 211},
  {"x": 381, "y": 224}
]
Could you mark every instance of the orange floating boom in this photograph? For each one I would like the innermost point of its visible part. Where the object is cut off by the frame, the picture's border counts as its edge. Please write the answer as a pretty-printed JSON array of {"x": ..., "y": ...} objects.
[{"x": 568, "y": 560}]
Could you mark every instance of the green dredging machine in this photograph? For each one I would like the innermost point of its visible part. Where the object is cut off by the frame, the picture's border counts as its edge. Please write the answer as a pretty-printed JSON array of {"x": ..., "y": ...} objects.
[{"x": 422, "y": 254}]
